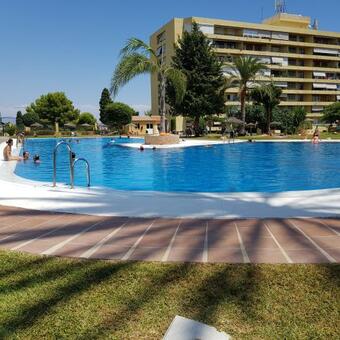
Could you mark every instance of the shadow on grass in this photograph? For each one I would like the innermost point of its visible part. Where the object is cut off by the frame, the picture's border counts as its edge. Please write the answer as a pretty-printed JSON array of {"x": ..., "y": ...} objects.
[
  {"x": 76, "y": 278},
  {"x": 144, "y": 298},
  {"x": 154, "y": 288}
]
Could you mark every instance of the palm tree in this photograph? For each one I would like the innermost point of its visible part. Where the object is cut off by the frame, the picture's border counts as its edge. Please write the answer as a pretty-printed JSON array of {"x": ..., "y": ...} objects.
[
  {"x": 267, "y": 95},
  {"x": 139, "y": 58},
  {"x": 243, "y": 71}
]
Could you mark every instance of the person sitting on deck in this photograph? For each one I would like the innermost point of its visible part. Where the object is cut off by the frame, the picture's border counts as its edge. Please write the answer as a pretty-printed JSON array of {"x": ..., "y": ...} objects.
[{"x": 7, "y": 153}]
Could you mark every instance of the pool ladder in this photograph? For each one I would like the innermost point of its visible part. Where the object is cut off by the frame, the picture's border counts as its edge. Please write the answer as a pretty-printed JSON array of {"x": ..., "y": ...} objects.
[{"x": 72, "y": 165}]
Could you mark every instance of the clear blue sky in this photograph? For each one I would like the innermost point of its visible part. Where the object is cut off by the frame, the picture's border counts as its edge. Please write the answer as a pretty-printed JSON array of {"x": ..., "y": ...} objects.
[{"x": 73, "y": 45}]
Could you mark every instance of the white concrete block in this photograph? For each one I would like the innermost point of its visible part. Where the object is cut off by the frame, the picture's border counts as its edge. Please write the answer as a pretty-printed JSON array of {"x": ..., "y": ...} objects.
[{"x": 185, "y": 329}]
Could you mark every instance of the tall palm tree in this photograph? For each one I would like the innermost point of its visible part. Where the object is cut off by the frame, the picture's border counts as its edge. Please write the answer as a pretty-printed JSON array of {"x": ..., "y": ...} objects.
[
  {"x": 267, "y": 95},
  {"x": 138, "y": 58},
  {"x": 244, "y": 70}
]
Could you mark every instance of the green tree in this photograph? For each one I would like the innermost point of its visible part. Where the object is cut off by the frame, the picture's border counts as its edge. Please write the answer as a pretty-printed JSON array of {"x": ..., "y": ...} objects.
[
  {"x": 267, "y": 95},
  {"x": 139, "y": 58},
  {"x": 30, "y": 118},
  {"x": 255, "y": 114},
  {"x": 19, "y": 122},
  {"x": 87, "y": 118},
  {"x": 195, "y": 58},
  {"x": 118, "y": 115},
  {"x": 54, "y": 107},
  {"x": 105, "y": 100},
  {"x": 331, "y": 114},
  {"x": 244, "y": 71},
  {"x": 299, "y": 116},
  {"x": 290, "y": 119}
]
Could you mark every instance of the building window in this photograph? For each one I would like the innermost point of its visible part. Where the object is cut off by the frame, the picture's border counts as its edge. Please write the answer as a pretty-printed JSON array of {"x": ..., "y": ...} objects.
[
  {"x": 206, "y": 28},
  {"x": 160, "y": 37}
]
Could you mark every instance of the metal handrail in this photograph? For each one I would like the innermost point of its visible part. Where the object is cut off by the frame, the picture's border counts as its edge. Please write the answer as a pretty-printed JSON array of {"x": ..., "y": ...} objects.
[
  {"x": 55, "y": 163},
  {"x": 87, "y": 171}
]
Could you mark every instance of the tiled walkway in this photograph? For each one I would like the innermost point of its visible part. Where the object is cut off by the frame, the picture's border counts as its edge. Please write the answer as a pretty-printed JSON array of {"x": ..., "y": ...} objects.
[{"x": 119, "y": 238}]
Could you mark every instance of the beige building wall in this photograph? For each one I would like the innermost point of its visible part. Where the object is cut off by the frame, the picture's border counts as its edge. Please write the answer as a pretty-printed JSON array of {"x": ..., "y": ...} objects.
[{"x": 303, "y": 61}]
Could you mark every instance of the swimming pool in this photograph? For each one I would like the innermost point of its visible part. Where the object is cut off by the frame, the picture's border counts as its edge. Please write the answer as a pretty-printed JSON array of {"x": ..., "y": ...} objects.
[{"x": 239, "y": 167}]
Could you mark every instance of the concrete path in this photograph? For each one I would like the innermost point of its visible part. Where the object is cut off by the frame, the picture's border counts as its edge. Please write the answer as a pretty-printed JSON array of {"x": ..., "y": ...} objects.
[{"x": 167, "y": 240}]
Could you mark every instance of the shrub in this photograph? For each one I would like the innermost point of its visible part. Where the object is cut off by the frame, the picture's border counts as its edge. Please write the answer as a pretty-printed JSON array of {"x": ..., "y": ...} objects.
[{"x": 10, "y": 129}]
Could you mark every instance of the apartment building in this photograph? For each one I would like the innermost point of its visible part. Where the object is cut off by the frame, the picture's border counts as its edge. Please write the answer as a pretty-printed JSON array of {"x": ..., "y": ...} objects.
[{"x": 301, "y": 59}]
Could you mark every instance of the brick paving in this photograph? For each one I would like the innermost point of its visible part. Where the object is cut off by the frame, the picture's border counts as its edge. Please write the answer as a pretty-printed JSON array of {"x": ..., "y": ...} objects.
[{"x": 170, "y": 240}]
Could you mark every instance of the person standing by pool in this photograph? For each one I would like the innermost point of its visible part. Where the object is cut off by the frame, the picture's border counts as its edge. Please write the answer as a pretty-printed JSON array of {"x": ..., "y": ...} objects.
[
  {"x": 316, "y": 136},
  {"x": 7, "y": 153}
]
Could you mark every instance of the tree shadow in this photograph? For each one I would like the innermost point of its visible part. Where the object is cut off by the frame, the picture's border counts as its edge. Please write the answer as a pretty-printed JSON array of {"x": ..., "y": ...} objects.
[{"x": 77, "y": 277}]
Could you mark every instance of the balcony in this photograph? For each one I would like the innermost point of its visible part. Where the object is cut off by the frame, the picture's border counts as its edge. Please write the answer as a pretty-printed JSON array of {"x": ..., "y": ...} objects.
[
  {"x": 325, "y": 51},
  {"x": 321, "y": 86}
]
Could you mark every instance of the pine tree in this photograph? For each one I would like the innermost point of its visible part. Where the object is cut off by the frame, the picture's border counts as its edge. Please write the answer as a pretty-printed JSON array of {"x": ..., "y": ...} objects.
[
  {"x": 105, "y": 99},
  {"x": 195, "y": 57},
  {"x": 19, "y": 121}
]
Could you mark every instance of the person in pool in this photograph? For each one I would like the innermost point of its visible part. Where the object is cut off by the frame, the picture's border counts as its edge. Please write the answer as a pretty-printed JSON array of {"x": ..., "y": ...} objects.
[
  {"x": 25, "y": 155},
  {"x": 36, "y": 159},
  {"x": 7, "y": 153}
]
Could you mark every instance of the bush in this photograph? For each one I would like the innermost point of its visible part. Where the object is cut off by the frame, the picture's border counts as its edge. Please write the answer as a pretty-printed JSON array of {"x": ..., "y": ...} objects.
[
  {"x": 331, "y": 114},
  {"x": 10, "y": 129},
  {"x": 290, "y": 119},
  {"x": 306, "y": 125}
]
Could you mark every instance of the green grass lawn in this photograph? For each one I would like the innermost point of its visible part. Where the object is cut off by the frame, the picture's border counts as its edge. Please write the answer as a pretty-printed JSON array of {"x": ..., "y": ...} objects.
[{"x": 49, "y": 298}]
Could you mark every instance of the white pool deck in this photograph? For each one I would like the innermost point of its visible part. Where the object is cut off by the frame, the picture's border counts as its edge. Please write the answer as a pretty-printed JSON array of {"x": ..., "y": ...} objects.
[
  {"x": 184, "y": 143},
  {"x": 18, "y": 192}
]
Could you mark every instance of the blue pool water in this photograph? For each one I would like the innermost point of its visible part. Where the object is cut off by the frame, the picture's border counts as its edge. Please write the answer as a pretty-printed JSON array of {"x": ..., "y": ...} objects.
[{"x": 243, "y": 167}]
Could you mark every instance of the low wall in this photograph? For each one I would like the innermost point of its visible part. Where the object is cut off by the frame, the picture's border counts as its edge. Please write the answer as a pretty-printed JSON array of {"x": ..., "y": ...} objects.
[{"x": 161, "y": 140}]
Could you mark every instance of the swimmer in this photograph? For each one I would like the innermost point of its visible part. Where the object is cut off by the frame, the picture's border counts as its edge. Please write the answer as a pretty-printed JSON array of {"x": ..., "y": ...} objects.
[
  {"x": 25, "y": 155},
  {"x": 141, "y": 148},
  {"x": 36, "y": 159}
]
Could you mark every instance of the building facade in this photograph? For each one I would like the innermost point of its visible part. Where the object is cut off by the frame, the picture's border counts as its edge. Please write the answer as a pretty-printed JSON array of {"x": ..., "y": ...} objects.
[
  {"x": 301, "y": 59},
  {"x": 143, "y": 125}
]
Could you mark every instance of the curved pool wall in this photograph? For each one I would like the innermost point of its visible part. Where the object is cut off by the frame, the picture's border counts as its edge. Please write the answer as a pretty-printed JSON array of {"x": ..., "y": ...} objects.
[
  {"x": 19, "y": 192},
  {"x": 241, "y": 167}
]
